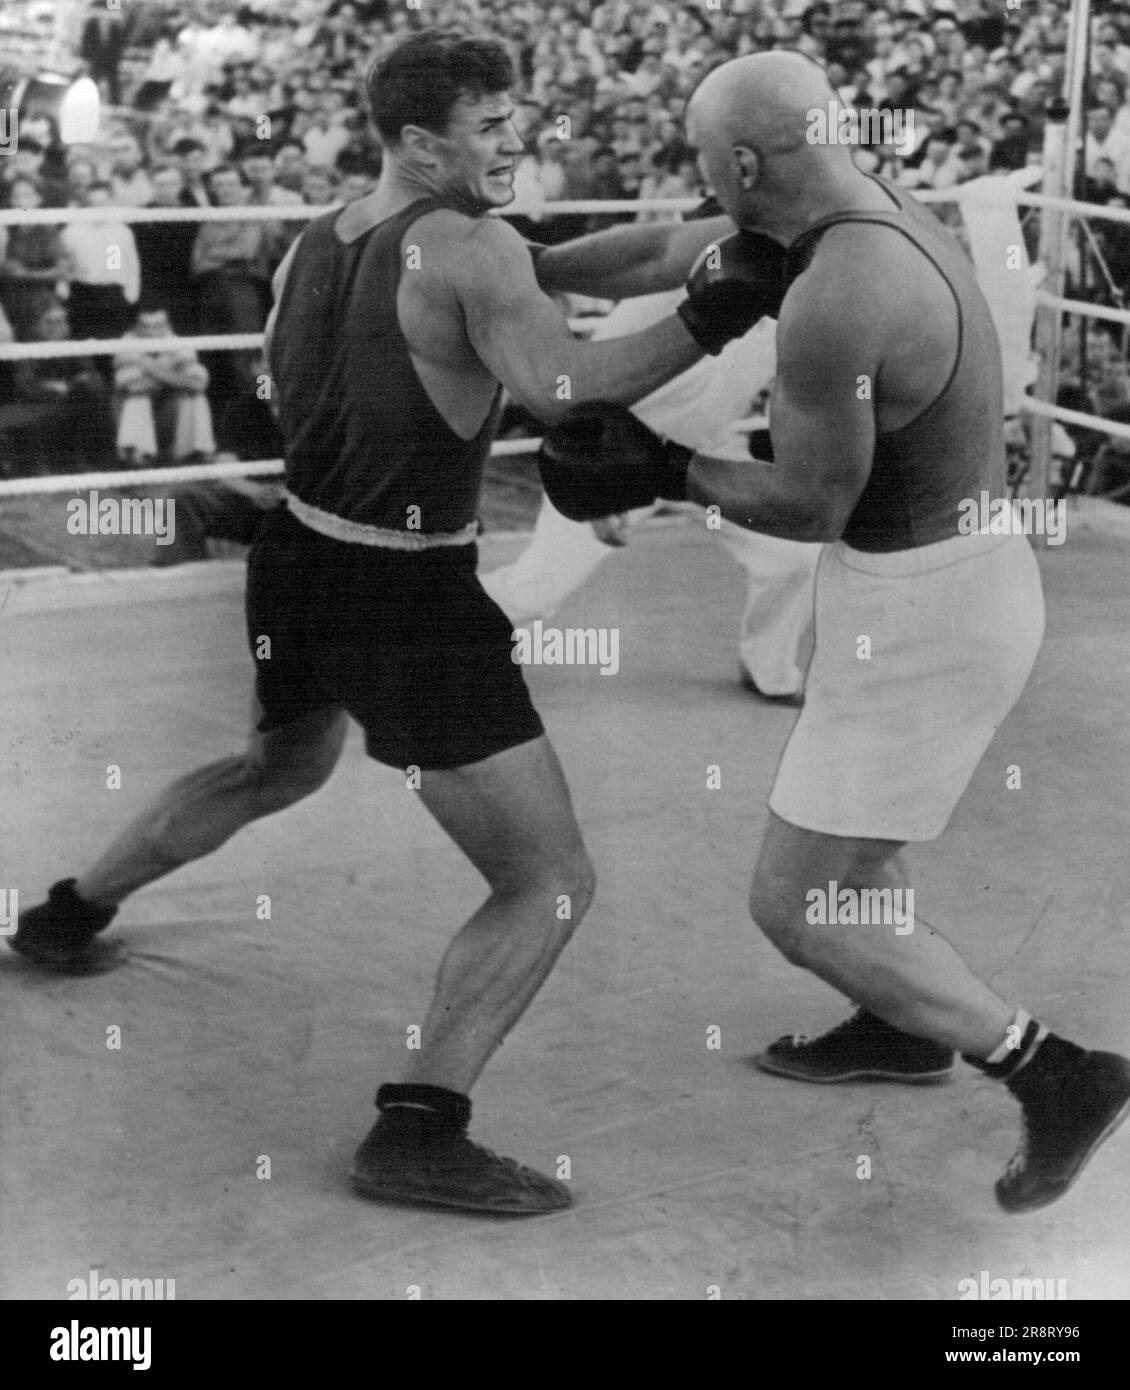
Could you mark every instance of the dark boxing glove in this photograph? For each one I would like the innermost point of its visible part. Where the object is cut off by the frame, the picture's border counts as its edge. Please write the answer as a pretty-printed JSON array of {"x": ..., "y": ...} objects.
[
  {"x": 599, "y": 459},
  {"x": 734, "y": 283}
]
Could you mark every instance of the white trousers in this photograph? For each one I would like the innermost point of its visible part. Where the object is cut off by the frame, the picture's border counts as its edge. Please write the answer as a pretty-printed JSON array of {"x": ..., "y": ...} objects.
[{"x": 775, "y": 640}]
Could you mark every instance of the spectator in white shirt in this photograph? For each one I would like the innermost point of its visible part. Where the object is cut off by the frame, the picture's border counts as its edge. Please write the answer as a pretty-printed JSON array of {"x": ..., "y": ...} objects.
[
  {"x": 159, "y": 397},
  {"x": 939, "y": 169},
  {"x": 106, "y": 279},
  {"x": 245, "y": 100},
  {"x": 226, "y": 42},
  {"x": 324, "y": 140},
  {"x": 259, "y": 171},
  {"x": 1109, "y": 52},
  {"x": 1034, "y": 69},
  {"x": 1103, "y": 142},
  {"x": 651, "y": 75}
]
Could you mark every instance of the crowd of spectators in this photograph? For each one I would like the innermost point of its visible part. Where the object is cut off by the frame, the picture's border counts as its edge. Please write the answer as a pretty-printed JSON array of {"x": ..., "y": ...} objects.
[{"x": 260, "y": 104}]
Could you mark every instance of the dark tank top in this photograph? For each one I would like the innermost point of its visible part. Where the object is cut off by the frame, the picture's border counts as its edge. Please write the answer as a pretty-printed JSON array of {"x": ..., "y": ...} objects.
[
  {"x": 921, "y": 473},
  {"x": 363, "y": 439}
]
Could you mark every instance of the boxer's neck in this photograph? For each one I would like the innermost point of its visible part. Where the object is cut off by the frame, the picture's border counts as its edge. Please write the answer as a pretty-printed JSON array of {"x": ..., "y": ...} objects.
[
  {"x": 785, "y": 218},
  {"x": 397, "y": 189}
]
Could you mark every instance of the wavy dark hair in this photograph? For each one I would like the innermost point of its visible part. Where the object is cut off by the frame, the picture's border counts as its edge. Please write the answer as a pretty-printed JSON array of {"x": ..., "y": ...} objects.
[{"x": 420, "y": 80}]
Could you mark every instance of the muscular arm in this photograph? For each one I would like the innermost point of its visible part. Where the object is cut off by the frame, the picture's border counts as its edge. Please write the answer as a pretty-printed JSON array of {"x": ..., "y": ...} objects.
[
  {"x": 627, "y": 261},
  {"x": 524, "y": 340},
  {"x": 823, "y": 433}
]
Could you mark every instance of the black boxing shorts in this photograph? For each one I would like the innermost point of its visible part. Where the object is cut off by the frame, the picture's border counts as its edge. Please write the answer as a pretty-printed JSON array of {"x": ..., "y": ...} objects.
[{"x": 406, "y": 642}]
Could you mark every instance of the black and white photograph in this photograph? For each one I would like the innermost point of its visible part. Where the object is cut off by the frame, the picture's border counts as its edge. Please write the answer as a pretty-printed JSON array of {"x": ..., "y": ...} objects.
[{"x": 565, "y": 661}]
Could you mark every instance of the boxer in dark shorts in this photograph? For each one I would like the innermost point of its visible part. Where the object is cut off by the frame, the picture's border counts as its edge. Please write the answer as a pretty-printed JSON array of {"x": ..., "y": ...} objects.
[
  {"x": 405, "y": 642},
  {"x": 397, "y": 321}
]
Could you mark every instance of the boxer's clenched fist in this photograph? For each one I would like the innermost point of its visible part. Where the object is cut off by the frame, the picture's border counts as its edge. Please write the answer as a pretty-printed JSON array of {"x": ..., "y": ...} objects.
[
  {"x": 733, "y": 285},
  {"x": 599, "y": 459}
]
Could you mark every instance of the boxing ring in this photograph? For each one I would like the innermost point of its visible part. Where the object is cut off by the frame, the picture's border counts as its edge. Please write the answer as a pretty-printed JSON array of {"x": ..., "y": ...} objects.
[{"x": 246, "y": 1037}]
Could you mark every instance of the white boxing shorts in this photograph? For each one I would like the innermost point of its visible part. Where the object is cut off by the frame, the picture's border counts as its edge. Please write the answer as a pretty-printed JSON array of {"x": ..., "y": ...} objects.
[{"x": 919, "y": 656}]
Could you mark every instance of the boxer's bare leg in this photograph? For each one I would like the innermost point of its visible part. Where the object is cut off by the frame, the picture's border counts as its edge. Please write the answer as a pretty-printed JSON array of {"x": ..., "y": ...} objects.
[
  {"x": 512, "y": 816},
  {"x": 915, "y": 981},
  {"x": 195, "y": 814}
]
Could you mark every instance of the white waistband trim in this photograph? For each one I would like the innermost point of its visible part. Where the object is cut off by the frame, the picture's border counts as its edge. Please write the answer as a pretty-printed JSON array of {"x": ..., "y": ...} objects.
[{"x": 357, "y": 533}]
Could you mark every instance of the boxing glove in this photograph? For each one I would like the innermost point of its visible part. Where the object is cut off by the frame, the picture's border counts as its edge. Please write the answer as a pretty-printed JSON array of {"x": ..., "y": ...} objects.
[
  {"x": 733, "y": 284},
  {"x": 599, "y": 459}
]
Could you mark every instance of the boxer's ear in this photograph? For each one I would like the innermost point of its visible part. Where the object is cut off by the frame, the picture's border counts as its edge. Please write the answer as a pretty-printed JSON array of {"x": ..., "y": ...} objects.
[
  {"x": 748, "y": 165},
  {"x": 419, "y": 144}
]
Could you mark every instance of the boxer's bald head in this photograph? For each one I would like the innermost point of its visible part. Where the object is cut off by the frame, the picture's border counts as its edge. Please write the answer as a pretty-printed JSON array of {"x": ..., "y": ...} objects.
[{"x": 749, "y": 120}]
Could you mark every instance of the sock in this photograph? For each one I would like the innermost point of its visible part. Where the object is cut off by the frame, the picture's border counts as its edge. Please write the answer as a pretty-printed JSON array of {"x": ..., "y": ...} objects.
[
  {"x": 417, "y": 1114},
  {"x": 1010, "y": 1056}
]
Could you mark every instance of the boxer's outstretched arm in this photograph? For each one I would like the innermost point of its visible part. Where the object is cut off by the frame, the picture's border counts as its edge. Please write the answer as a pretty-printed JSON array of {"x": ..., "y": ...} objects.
[
  {"x": 627, "y": 261},
  {"x": 821, "y": 416},
  {"x": 524, "y": 339}
]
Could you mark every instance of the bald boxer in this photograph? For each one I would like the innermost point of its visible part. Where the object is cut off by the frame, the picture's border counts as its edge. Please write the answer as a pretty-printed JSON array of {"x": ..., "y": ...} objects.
[
  {"x": 885, "y": 415},
  {"x": 396, "y": 321}
]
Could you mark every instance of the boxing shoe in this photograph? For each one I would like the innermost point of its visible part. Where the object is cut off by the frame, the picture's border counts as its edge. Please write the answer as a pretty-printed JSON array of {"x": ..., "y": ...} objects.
[
  {"x": 862, "y": 1048},
  {"x": 61, "y": 935},
  {"x": 1071, "y": 1101},
  {"x": 416, "y": 1162}
]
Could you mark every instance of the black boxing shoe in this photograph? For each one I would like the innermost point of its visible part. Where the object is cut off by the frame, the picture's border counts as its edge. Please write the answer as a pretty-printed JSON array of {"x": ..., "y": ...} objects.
[
  {"x": 61, "y": 935},
  {"x": 862, "y": 1048},
  {"x": 450, "y": 1171},
  {"x": 1072, "y": 1101}
]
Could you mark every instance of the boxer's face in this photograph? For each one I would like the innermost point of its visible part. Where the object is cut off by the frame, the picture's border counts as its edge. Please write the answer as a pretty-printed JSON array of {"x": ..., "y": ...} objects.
[{"x": 478, "y": 153}]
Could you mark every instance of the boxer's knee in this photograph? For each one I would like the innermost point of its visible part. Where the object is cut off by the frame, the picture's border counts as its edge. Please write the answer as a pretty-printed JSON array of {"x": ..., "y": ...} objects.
[
  {"x": 566, "y": 877},
  {"x": 578, "y": 879},
  {"x": 781, "y": 917}
]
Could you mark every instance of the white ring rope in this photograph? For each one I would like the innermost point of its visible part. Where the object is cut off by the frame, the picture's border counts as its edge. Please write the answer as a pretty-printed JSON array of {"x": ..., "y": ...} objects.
[
  {"x": 194, "y": 473},
  {"x": 1076, "y": 417},
  {"x": 1081, "y": 308},
  {"x": 304, "y": 212},
  {"x": 107, "y": 347},
  {"x": 235, "y": 342}
]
